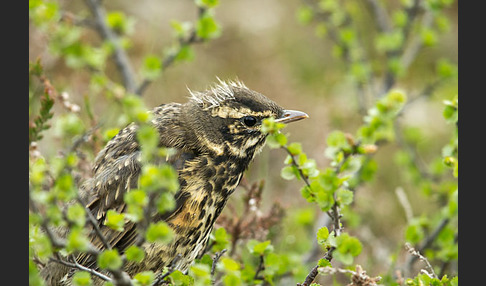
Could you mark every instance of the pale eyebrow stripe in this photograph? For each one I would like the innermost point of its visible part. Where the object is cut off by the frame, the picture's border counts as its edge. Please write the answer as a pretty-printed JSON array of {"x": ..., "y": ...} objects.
[{"x": 228, "y": 112}]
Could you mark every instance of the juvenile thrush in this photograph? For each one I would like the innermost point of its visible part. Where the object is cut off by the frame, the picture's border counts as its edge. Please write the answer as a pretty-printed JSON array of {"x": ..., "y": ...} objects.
[{"x": 215, "y": 134}]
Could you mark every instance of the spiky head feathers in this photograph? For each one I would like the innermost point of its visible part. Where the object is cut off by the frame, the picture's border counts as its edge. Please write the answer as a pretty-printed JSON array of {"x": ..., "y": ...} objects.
[{"x": 227, "y": 117}]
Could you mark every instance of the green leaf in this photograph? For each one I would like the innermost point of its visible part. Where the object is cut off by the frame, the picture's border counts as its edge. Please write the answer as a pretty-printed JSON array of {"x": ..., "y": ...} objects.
[
  {"x": 77, "y": 241},
  {"x": 185, "y": 53},
  {"x": 114, "y": 220},
  {"x": 144, "y": 278},
  {"x": 159, "y": 232},
  {"x": 134, "y": 253},
  {"x": 221, "y": 239},
  {"x": 135, "y": 109},
  {"x": 305, "y": 216},
  {"x": 445, "y": 69},
  {"x": 157, "y": 178},
  {"x": 201, "y": 272},
  {"x": 324, "y": 263},
  {"x": 262, "y": 248},
  {"x": 136, "y": 197},
  {"x": 232, "y": 279},
  {"x": 347, "y": 247},
  {"x": 400, "y": 18},
  {"x": 387, "y": 42},
  {"x": 337, "y": 139},
  {"x": 207, "y": 28},
  {"x": 76, "y": 214},
  {"x": 110, "y": 259},
  {"x": 166, "y": 202},
  {"x": 322, "y": 235},
  {"x": 177, "y": 278},
  {"x": 276, "y": 140},
  {"x": 305, "y": 14},
  {"x": 295, "y": 148},
  {"x": 64, "y": 187},
  {"x": 152, "y": 67},
  {"x": 414, "y": 233},
  {"x": 119, "y": 22},
  {"x": 82, "y": 278},
  {"x": 182, "y": 29},
  {"x": 207, "y": 3},
  {"x": 344, "y": 196},
  {"x": 229, "y": 264},
  {"x": 429, "y": 37},
  {"x": 289, "y": 172}
]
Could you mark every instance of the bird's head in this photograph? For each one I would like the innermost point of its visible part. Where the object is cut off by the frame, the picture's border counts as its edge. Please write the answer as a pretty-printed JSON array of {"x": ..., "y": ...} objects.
[{"x": 227, "y": 118}]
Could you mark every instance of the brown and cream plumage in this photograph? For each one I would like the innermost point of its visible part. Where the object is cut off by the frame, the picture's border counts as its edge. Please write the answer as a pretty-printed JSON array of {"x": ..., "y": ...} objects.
[{"x": 216, "y": 135}]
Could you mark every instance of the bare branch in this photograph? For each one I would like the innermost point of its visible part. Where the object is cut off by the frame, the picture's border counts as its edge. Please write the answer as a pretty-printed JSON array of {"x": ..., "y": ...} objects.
[
  {"x": 78, "y": 266},
  {"x": 216, "y": 258},
  {"x": 170, "y": 270},
  {"x": 405, "y": 203},
  {"x": 170, "y": 58},
  {"x": 426, "y": 243},
  {"x": 121, "y": 59},
  {"x": 94, "y": 223},
  {"x": 381, "y": 16},
  {"x": 260, "y": 268},
  {"x": 358, "y": 277},
  {"x": 417, "y": 254}
]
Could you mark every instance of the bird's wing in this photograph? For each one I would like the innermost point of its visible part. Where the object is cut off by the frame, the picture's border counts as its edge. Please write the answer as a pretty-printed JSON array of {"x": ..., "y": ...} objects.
[{"x": 116, "y": 171}]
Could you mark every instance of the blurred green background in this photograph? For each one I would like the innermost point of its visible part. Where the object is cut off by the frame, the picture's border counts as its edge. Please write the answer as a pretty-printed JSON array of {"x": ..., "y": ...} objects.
[{"x": 264, "y": 45}]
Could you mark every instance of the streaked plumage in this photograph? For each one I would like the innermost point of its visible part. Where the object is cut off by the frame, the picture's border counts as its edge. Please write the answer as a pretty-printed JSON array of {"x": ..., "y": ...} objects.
[{"x": 216, "y": 135}]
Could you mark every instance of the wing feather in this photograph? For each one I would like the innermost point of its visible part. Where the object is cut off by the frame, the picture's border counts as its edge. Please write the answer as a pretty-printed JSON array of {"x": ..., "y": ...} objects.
[{"x": 116, "y": 171}]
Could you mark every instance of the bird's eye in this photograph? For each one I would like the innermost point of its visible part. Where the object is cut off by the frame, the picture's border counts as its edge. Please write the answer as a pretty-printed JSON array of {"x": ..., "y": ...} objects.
[{"x": 249, "y": 121}]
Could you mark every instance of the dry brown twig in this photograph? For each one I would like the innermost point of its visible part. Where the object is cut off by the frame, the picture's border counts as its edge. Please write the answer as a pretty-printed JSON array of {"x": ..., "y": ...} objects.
[
  {"x": 358, "y": 277},
  {"x": 252, "y": 223},
  {"x": 430, "y": 270}
]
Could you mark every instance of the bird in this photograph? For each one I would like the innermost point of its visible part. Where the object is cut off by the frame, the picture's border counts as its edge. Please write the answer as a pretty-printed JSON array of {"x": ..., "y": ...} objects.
[{"x": 215, "y": 135}]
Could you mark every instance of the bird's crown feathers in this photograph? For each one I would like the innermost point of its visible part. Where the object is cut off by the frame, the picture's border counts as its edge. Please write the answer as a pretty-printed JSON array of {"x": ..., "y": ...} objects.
[{"x": 217, "y": 93}]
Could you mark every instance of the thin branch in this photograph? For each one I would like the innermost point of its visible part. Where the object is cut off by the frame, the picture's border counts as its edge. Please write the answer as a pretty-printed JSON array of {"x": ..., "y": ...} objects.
[
  {"x": 427, "y": 243},
  {"x": 170, "y": 58},
  {"x": 409, "y": 53},
  {"x": 417, "y": 255},
  {"x": 147, "y": 217},
  {"x": 294, "y": 163},
  {"x": 216, "y": 258},
  {"x": 310, "y": 277},
  {"x": 414, "y": 155},
  {"x": 359, "y": 277},
  {"x": 405, "y": 203},
  {"x": 78, "y": 266},
  {"x": 260, "y": 268},
  {"x": 76, "y": 20},
  {"x": 381, "y": 16},
  {"x": 121, "y": 59},
  {"x": 95, "y": 225},
  {"x": 416, "y": 43},
  {"x": 170, "y": 270}
]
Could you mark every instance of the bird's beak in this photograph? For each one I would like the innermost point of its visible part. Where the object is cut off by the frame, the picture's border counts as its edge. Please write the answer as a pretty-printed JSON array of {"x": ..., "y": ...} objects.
[{"x": 291, "y": 116}]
